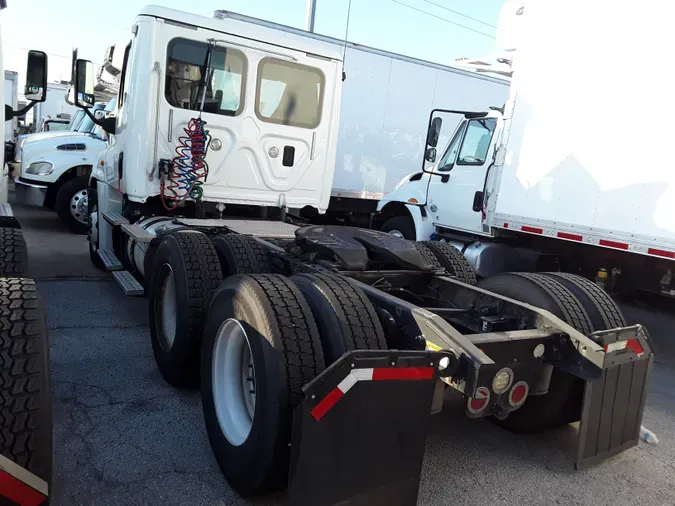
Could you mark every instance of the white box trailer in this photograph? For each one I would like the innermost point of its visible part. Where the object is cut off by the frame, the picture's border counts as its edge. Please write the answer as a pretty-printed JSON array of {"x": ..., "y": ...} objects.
[
  {"x": 572, "y": 164},
  {"x": 55, "y": 105},
  {"x": 11, "y": 93},
  {"x": 386, "y": 99}
]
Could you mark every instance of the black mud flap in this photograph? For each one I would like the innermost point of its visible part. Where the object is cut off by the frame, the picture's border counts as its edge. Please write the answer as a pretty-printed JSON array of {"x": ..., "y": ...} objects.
[
  {"x": 613, "y": 405},
  {"x": 359, "y": 435}
]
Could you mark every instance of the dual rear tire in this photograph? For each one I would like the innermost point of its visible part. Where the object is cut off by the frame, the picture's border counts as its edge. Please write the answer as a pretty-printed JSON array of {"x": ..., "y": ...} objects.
[
  {"x": 579, "y": 303},
  {"x": 252, "y": 341}
]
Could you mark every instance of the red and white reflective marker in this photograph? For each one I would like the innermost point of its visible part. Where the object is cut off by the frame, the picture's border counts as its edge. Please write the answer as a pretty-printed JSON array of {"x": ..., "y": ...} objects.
[
  {"x": 518, "y": 394},
  {"x": 478, "y": 403},
  {"x": 369, "y": 374},
  {"x": 20, "y": 485},
  {"x": 631, "y": 344}
]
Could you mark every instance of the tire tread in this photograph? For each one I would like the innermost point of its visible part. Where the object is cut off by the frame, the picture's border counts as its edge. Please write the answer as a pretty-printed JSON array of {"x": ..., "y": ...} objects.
[
  {"x": 13, "y": 253},
  {"x": 453, "y": 261}
]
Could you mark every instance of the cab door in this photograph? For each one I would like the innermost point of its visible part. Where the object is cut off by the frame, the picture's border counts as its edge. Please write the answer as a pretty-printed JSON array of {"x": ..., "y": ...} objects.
[
  {"x": 267, "y": 112},
  {"x": 460, "y": 173}
]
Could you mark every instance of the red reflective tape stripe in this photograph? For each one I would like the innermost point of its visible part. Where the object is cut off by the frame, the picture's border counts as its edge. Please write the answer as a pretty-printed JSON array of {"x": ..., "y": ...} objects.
[
  {"x": 403, "y": 373},
  {"x": 571, "y": 237},
  {"x": 16, "y": 490},
  {"x": 326, "y": 403},
  {"x": 506, "y": 225},
  {"x": 634, "y": 345},
  {"x": 533, "y": 230},
  {"x": 661, "y": 253},
  {"x": 613, "y": 244}
]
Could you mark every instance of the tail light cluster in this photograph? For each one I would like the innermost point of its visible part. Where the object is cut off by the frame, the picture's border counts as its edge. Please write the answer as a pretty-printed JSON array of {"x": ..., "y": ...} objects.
[{"x": 502, "y": 384}]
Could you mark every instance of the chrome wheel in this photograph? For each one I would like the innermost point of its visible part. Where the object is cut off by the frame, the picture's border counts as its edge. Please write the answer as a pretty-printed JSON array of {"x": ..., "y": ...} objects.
[
  {"x": 79, "y": 206},
  {"x": 396, "y": 233},
  {"x": 167, "y": 309},
  {"x": 233, "y": 382}
]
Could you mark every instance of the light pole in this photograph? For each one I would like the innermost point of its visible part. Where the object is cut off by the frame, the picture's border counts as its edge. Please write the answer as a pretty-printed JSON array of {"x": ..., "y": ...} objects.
[{"x": 309, "y": 15}]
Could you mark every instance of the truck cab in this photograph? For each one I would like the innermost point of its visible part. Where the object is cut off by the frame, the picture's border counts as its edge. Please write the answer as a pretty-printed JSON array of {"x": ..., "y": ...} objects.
[
  {"x": 450, "y": 190},
  {"x": 55, "y": 169}
]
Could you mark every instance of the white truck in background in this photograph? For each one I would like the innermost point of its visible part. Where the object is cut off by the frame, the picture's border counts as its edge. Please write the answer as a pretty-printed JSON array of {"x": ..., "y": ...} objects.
[
  {"x": 563, "y": 178},
  {"x": 11, "y": 96},
  {"x": 54, "y": 169},
  {"x": 54, "y": 107}
]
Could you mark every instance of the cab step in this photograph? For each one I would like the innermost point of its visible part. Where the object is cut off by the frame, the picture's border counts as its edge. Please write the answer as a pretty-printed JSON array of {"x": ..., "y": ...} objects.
[
  {"x": 128, "y": 283},
  {"x": 115, "y": 219},
  {"x": 110, "y": 260},
  {"x": 138, "y": 233}
]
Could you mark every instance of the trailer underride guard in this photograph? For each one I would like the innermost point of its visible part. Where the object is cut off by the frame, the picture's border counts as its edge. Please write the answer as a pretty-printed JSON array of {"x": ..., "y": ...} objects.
[{"x": 358, "y": 436}]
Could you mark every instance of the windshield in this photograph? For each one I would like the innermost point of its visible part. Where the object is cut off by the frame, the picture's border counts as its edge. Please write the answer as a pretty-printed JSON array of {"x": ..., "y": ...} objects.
[
  {"x": 77, "y": 121},
  {"x": 87, "y": 125},
  {"x": 55, "y": 126},
  {"x": 450, "y": 154}
]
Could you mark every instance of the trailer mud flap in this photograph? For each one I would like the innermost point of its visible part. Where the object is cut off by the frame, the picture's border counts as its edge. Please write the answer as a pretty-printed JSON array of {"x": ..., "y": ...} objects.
[
  {"x": 614, "y": 404},
  {"x": 359, "y": 435}
]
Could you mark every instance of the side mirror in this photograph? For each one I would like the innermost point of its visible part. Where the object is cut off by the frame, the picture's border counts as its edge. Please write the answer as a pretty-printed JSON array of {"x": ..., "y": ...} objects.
[
  {"x": 84, "y": 84},
  {"x": 36, "y": 76},
  {"x": 430, "y": 155},
  {"x": 434, "y": 132}
]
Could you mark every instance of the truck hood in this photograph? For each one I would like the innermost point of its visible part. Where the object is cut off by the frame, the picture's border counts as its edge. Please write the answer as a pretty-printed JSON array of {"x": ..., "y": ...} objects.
[
  {"x": 46, "y": 135},
  {"x": 77, "y": 150}
]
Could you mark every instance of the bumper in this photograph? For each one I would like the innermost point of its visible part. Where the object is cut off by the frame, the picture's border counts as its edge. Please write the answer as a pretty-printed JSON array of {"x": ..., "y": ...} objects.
[{"x": 31, "y": 194}]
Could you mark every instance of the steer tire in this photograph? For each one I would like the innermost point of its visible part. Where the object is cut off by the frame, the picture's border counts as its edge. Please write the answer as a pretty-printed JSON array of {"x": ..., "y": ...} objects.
[
  {"x": 26, "y": 409},
  {"x": 602, "y": 310},
  {"x": 562, "y": 404},
  {"x": 186, "y": 267},
  {"x": 452, "y": 260},
  {"x": 404, "y": 225},
  {"x": 13, "y": 255},
  {"x": 62, "y": 204},
  {"x": 346, "y": 318},
  {"x": 286, "y": 354},
  {"x": 241, "y": 254}
]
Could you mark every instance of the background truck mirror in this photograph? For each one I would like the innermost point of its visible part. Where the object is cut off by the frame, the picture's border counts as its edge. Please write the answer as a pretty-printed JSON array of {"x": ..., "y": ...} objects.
[
  {"x": 434, "y": 132},
  {"x": 36, "y": 76},
  {"x": 430, "y": 155},
  {"x": 84, "y": 84}
]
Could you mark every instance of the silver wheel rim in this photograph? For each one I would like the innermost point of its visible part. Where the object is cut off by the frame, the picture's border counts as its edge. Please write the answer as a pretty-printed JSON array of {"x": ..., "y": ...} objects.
[
  {"x": 167, "y": 335},
  {"x": 78, "y": 206},
  {"x": 233, "y": 382},
  {"x": 396, "y": 233}
]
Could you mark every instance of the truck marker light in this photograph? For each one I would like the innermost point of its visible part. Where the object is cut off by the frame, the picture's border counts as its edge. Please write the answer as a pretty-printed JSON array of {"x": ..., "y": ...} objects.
[
  {"x": 571, "y": 237},
  {"x": 518, "y": 394},
  {"x": 613, "y": 244},
  {"x": 413, "y": 200},
  {"x": 532, "y": 230},
  {"x": 369, "y": 374},
  {"x": 477, "y": 404},
  {"x": 631, "y": 344},
  {"x": 661, "y": 253}
]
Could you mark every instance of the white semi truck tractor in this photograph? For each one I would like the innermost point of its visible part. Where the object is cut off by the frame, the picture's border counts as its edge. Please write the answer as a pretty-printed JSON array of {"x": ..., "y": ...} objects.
[
  {"x": 320, "y": 350},
  {"x": 26, "y": 411},
  {"x": 557, "y": 178}
]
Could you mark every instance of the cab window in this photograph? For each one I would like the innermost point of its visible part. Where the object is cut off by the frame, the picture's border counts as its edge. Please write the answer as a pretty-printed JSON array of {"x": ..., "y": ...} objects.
[
  {"x": 476, "y": 141},
  {"x": 289, "y": 93},
  {"x": 225, "y": 89},
  {"x": 450, "y": 155}
]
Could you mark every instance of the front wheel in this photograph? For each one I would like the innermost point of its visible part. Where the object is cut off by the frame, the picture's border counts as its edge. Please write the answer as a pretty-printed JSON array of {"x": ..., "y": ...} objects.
[
  {"x": 72, "y": 204},
  {"x": 400, "y": 226}
]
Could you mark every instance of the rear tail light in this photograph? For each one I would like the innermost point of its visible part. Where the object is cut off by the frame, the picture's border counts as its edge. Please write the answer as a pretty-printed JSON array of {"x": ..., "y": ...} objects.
[
  {"x": 477, "y": 404},
  {"x": 502, "y": 381},
  {"x": 518, "y": 394}
]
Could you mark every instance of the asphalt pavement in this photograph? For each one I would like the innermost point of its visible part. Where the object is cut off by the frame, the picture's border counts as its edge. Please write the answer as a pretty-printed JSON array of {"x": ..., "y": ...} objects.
[{"x": 124, "y": 437}]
